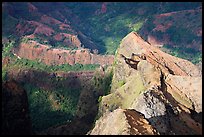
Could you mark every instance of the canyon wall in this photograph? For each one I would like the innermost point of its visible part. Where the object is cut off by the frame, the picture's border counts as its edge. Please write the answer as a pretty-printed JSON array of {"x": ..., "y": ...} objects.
[{"x": 35, "y": 51}]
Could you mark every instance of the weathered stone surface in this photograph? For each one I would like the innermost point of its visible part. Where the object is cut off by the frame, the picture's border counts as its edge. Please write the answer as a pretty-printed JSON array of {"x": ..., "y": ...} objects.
[
  {"x": 133, "y": 43},
  {"x": 155, "y": 84},
  {"x": 151, "y": 105},
  {"x": 186, "y": 90},
  {"x": 122, "y": 122}
]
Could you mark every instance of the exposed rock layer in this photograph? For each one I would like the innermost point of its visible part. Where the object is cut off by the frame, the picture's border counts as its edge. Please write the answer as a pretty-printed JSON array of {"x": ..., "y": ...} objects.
[{"x": 36, "y": 51}]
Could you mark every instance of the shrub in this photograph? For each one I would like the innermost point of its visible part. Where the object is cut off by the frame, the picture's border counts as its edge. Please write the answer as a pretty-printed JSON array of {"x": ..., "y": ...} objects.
[
  {"x": 121, "y": 83},
  {"x": 7, "y": 48},
  {"x": 99, "y": 99},
  {"x": 36, "y": 46}
]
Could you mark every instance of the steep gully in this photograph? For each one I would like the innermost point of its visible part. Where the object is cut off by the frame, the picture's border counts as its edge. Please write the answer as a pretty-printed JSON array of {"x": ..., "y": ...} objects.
[{"x": 87, "y": 107}]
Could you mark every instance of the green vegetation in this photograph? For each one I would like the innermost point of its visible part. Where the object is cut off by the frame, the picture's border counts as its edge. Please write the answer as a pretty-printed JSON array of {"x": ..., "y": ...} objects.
[
  {"x": 103, "y": 83},
  {"x": 52, "y": 68},
  {"x": 121, "y": 83},
  {"x": 8, "y": 24},
  {"x": 180, "y": 35},
  {"x": 25, "y": 40},
  {"x": 7, "y": 48},
  {"x": 51, "y": 107},
  {"x": 16, "y": 63},
  {"x": 185, "y": 53},
  {"x": 4, "y": 74},
  {"x": 48, "y": 107},
  {"x": 107, "y": 30},
  {"x": 37, "y": 65},
  {"x": 124, "y": 96},
  {"x": 99, "y": 99}
]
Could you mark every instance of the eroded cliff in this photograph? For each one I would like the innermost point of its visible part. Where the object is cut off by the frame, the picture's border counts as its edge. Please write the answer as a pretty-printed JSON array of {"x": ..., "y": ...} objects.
[{"x": 36, "y": 51}]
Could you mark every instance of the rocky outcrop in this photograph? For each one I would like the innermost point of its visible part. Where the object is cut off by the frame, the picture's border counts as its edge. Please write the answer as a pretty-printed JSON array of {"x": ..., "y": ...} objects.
[
  {"x": 69, "y": 39},
  {"x": 189, "y": 87},
  {"x": 36, "y": 51},
  {"x": 155, "y": 84},
  {"x": 123, "y": 122},
  {"x": 133, "y": 43},
  {"x": 148, "y": 104},
  {"x": 15, "y": 111}
]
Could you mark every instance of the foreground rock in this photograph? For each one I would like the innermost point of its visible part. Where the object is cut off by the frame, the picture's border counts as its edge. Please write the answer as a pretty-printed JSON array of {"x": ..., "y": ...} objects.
[
  {"x": 156, "y": 84},
  {"x": 123, "y": 122}
]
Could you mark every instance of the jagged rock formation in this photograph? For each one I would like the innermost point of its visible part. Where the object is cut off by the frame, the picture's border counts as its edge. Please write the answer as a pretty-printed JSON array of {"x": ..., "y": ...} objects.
[
  {"x": 123, "y": 122},
  {"x": 155, "y": 84},
  {"x": 35, "y": 51},
  {"x": 15, "y": 111}
]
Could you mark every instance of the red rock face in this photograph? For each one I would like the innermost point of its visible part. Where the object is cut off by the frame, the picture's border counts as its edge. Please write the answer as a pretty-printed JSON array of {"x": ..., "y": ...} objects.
[
  {"x": 21, "y": 29},
  {"x": 49, "y": 20},
  {"x": 58, "y": 37},
  {"x": 33, "y": 27},
  {"x": 69, "y": 39},
  {"x": 58, "y": 56},
  {"x": 43, "y": 29}
]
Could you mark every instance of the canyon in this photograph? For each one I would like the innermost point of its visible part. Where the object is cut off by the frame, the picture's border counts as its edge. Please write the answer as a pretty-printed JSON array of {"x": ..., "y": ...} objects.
[
  {"x": 100, "y": 68},
  {"x": 149, "y": 94}
]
